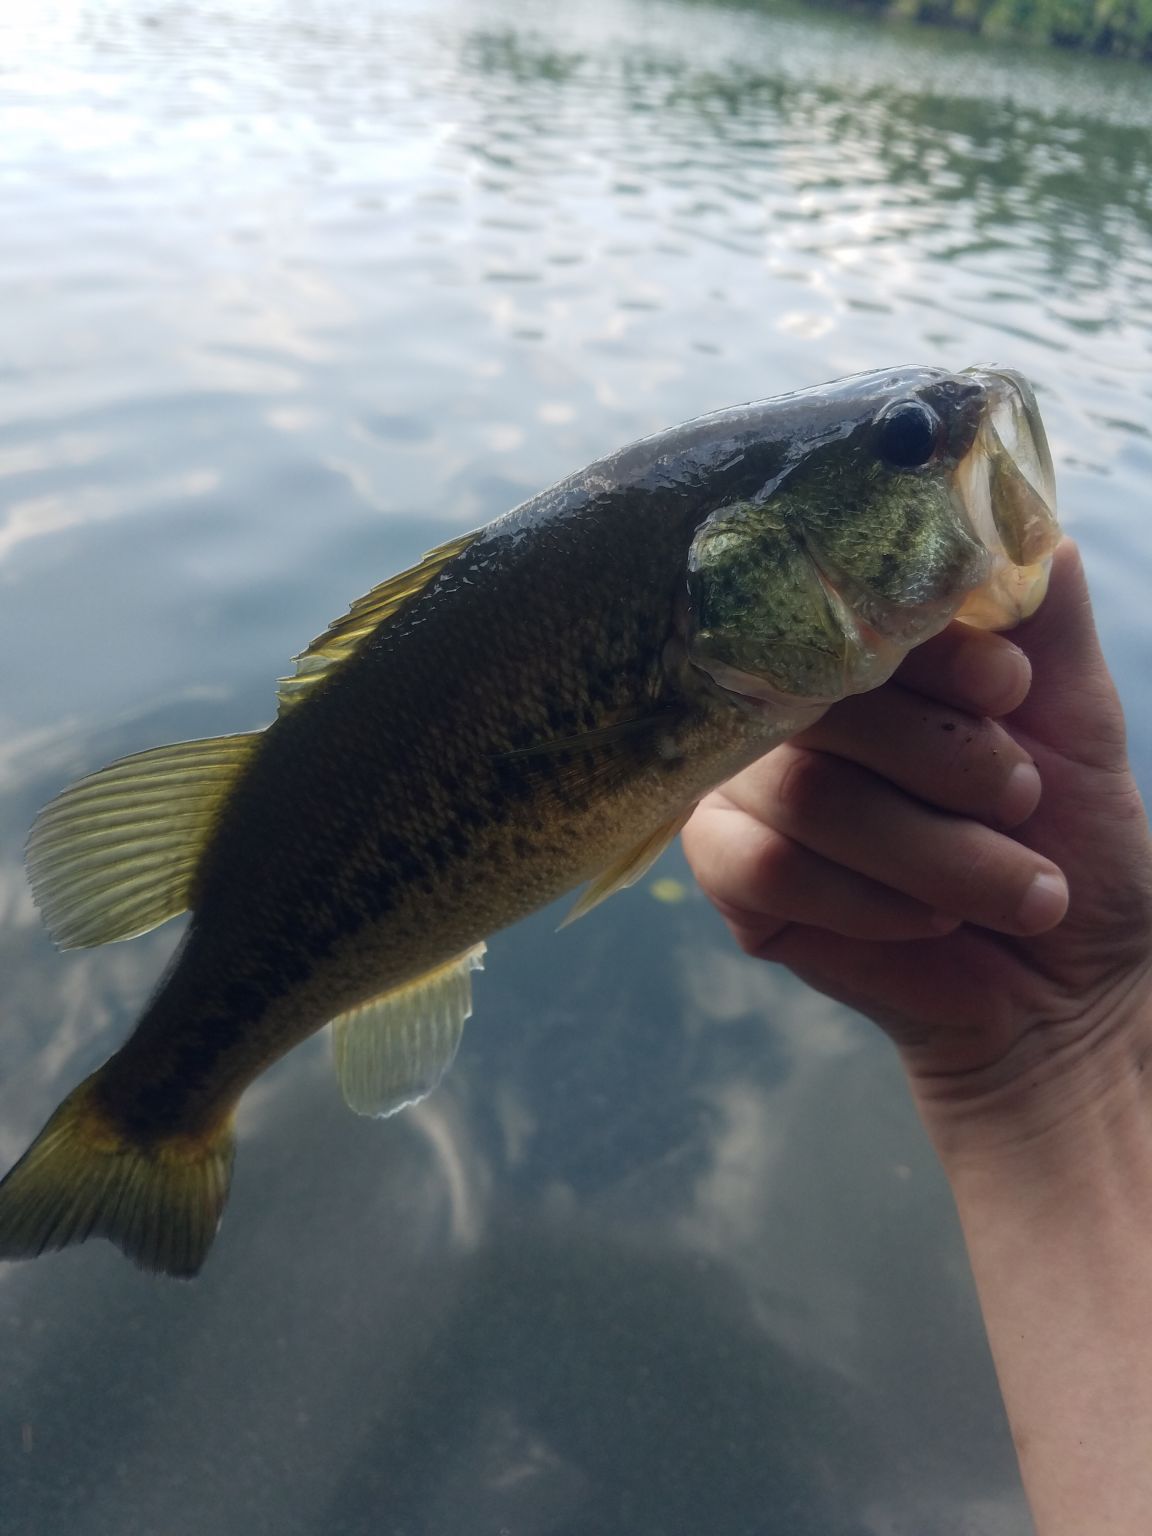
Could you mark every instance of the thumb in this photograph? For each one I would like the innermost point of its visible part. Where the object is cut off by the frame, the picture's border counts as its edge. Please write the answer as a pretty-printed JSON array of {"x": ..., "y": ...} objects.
[{"x": 1072, "y": 705}]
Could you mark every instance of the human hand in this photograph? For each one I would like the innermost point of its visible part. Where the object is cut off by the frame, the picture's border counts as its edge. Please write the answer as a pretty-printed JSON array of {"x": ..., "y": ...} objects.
[{"x": 902, "y": 857}]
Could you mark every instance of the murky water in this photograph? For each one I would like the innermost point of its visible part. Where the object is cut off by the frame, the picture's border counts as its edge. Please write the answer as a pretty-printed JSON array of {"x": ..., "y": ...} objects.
[{"x": 289, "y": 292}]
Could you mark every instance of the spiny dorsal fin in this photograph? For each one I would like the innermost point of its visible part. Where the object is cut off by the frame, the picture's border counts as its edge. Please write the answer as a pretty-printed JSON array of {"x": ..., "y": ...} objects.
[
  {"x": 366, "y": 614},
  {"x": 392, "y": 1051},
  {"x": 630, "y": 867},
  {"x": 116, "y": 853}
]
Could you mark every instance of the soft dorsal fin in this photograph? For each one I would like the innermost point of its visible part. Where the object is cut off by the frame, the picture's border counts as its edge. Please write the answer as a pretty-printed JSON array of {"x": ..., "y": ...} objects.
[
  {"x": 116, "y": 853},
  {"x": 393, "y": 1050},
  {"x": 367, "y": 613},
  {"x": 629, "y": 867}
]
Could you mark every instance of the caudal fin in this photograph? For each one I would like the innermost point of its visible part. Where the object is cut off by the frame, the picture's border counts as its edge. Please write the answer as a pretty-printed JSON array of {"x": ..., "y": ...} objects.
[{"x": 84, "y": 1177}]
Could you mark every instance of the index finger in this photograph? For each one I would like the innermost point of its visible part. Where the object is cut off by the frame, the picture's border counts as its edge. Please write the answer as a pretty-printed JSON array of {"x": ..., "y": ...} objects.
[{"x": 971, "y": 669}]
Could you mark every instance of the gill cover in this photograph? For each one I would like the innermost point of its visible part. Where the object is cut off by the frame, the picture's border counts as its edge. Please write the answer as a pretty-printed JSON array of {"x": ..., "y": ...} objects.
[{"x": 764, "y": 622}]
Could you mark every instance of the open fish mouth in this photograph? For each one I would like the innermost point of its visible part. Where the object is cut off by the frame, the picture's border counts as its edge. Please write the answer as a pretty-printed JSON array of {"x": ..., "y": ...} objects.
[{"x": 1008, "y": 487}]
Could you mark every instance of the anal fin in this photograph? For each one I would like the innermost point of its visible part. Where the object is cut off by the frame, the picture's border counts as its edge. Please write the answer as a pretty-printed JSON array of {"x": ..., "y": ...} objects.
[{"x": 394, "y": 1049}]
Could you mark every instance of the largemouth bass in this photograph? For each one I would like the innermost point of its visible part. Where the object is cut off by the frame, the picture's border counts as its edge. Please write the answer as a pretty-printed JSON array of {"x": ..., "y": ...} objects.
[{"x": 537, "y": 704}]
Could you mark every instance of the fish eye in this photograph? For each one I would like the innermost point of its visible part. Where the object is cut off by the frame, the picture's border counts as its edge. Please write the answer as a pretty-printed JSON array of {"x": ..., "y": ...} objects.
[{"x": 908, "y": 433}]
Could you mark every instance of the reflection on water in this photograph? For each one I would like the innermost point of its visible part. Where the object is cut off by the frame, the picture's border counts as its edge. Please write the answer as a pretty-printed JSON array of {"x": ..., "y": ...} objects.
[{"x": 291, "y": 293}]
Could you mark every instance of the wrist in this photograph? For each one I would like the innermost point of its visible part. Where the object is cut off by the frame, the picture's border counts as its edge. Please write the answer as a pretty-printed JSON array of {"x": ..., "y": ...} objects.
[
  {"x": 1064, "y": 1093},
  {"x": 1052, "y": 1177},
  {"x": 1058, "y": 1194}
]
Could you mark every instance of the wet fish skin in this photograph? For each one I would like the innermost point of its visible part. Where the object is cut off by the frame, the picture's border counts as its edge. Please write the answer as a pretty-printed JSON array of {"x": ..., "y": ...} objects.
[{"x": 561, "y": 689}]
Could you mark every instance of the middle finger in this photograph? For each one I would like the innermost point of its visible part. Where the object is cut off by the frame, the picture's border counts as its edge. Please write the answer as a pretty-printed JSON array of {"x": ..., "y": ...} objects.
[{"x": 941, "y": 755}]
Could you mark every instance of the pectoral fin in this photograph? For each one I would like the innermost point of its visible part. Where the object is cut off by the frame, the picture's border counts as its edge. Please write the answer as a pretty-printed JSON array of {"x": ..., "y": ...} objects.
[
  {"x": 599, "y": 760},
  {"x": 628, "y": 869},
  {"x": 393, "y": 1050}
]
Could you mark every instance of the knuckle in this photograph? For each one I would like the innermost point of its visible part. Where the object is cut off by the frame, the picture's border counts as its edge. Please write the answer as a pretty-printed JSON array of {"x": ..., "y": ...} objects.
[
  {"x": 805, "y": 787},
  {"x": 774, "y": 865},
  {"x": 750, "y": 940},
  {"x": 991, "y": 874},
  {"x": 981, "y": 871}
]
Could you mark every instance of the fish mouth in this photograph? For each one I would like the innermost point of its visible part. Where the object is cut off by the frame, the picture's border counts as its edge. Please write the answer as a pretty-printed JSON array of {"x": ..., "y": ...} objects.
[{"x": 1008, "y": 488}]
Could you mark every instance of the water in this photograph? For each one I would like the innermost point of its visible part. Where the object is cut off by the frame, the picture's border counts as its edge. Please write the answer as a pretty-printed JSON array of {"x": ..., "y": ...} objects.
[{"x": 292, "y": 291}]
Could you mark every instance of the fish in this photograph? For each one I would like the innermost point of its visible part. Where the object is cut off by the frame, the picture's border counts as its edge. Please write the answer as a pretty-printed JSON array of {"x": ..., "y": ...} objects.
[{"x": 537, "y": 705}]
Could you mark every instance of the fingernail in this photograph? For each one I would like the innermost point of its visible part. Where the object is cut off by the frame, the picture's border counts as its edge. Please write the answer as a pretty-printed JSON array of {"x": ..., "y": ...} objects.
[
  {"x": 993, "y": 677},
  {"x": 1020, "y": 795},
  {"x": 1045, "y": 903}
]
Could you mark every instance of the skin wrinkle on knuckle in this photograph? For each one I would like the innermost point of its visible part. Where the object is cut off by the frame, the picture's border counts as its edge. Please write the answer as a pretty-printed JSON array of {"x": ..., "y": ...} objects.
[
  {"x": 736, "y": 864},
  {"x": 754, "y": 942},
  {"x": 750, "y": 930},
  {"x": 777, "y": 868},
  {"x": 1120, "y": 802},
  {"x": 739, "y": 918},
  {"x": 768, "y": 945},
  {"x": 987, "y": 879},
  {"x": 806, "y": 789},
  {"x": 1101, "y": 743},
  {"x": 964, "y": 859}
]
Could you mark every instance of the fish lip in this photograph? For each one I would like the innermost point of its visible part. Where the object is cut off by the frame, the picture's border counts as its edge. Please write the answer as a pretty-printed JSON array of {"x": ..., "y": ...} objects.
[
  {"x": 1009, "y": 391},
  {"x": 1006, "y": 487}
]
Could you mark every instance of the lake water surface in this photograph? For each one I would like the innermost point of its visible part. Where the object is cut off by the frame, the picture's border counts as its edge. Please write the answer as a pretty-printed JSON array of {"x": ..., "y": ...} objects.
[{"x": 289, "y": 292}]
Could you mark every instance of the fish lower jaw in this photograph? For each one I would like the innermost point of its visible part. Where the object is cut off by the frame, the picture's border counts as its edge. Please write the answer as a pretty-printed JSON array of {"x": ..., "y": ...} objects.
[{"x": 1012, "y": 594}]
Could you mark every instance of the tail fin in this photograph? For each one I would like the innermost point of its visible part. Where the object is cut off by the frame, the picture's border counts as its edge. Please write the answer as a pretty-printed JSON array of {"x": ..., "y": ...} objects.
[{"x": 83, "y": 1176}]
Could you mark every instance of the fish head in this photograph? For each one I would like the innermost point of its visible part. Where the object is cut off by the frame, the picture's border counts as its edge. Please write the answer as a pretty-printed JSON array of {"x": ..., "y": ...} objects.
[{"x": 901, "y": 499}]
